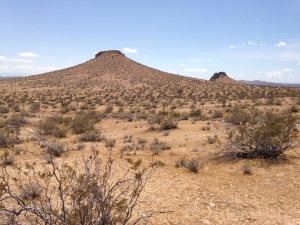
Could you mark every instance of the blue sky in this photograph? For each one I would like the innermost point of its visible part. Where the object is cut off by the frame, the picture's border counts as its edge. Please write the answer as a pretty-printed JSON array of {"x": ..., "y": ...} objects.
[{"x": 250, "y": 40}]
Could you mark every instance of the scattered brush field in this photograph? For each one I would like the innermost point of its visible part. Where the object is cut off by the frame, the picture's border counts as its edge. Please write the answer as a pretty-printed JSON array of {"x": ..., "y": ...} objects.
[{"x": 199, "y": 152}]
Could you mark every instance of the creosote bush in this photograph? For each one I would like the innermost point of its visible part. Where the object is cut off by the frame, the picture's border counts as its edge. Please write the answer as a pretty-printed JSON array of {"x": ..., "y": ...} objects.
[
  {"x": 55, "y": 147},
  {"x": 267, "y": 135},
  {"x": 85, "y": 191},
  {"x": 193, "y": 164},
  {"x": 7, "y": 158},
  {"x": 91, "y": 135}
]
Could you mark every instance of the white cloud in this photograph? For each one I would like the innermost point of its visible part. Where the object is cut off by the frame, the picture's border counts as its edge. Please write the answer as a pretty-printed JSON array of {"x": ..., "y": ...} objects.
[
  {"x": 299, "y": 63},
  {"x": 28, "y": 54},
  {"x": 286, "y": 70},
  {"x": 278, "y": 73},
  {"x": 241, "y": 75},
  {"x": 14, "y": 60},
  {"x": 251, "y": 43},
  {"x": 3, "y": 67},
  {"x": 261, "y": 72},
  {"x": 20, "y": 60},
  {"x": 26, "y": 67},
  {"x": 274, "y": 74},
  {"x": 232, "y": 46},
  {"x": 129, "y": 50},
  {"x": 281, "y": 43},
  {"x": 196, "y": 70},
  {"x": 183, "y": 64}
]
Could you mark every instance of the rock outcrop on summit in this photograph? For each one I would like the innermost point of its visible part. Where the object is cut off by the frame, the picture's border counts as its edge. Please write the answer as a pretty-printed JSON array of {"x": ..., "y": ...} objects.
[
  {"x": 222, "y": 77},
  {"x": 218, "y": 75}
]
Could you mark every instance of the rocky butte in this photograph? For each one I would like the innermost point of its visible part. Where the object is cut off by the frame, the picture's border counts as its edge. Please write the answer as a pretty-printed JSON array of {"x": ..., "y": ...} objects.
[{"x": 218, "y": 75}]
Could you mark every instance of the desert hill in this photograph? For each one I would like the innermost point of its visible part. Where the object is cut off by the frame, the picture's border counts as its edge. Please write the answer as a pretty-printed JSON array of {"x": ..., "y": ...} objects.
[
  {"x": 222, "y": 77},
  {"x": 108, "y": 69}
]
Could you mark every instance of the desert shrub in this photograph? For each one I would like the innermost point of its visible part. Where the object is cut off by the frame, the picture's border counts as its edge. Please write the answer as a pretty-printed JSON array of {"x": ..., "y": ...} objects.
[
  {"x": 157, "y": 163},
  {"x": 47, "y": 127},
  {"x": 217, "y": 114},
  {"x": 110, "y": 143},
  {"x": 35, "y": 107},
  {"x": 142, "y": 141},
  {"x": 85, "y": 191},
  {"x": 246, "y": 169},
  {"x": 193, "y": 165},
  {"x": 294, "y": 109},
  {"x": 267, "y": 135},
  {"x": 91, "y": 135},
  {"x": 55, "y": 147},
  {"x": 4, "y": 140},
  {"x": 212, "y": 140},
  {"x": 108, "y": 109},
  {"x": 80, "y": 146},
  {"x": 17, "y": 150},
  {"x": 167, "y": 124},
  {"x": 127, "y": 147},
  {"x": 17, "y": 121},
  {"x": 277, "y": 102},
  {"x": 60, "y": 131},
  {"x": 15, "y": 107},
  {"x": 161, "y": 122},
  {"x": 184, "y": 116},
  {"x": 238, "y": 115},
  {"x": 9, "y": 135},
  {"x": 30, "y": 191},
  {"x": 7, "y": 158},
  {"x": 81, "y": 124},
  {"x": 166, "y": 132},
  {"x": 195, "y": 113},
  {"x": 4, "y": 109},
  {"x": 157, "y": 146}
]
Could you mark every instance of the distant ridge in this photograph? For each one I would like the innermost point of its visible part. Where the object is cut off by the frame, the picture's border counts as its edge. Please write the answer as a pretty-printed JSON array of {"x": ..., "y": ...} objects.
[
  {"x": 265, "y": 83},
  {"x": 9, "y": 77}
]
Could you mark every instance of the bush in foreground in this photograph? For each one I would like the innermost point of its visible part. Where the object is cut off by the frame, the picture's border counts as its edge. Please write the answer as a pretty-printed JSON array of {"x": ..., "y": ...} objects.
[
  {"x": 85, "y": 191},
  {"x": 267, "y": 135}
]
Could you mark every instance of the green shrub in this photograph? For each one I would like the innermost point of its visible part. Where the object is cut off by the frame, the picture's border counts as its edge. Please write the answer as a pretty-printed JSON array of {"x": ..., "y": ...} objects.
[
  {"x": 267, "y": 135},
  {"x": 81, "y": 124},
  {"x": 60, "y": 131},
  {"x": 238, "y": 116}
]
